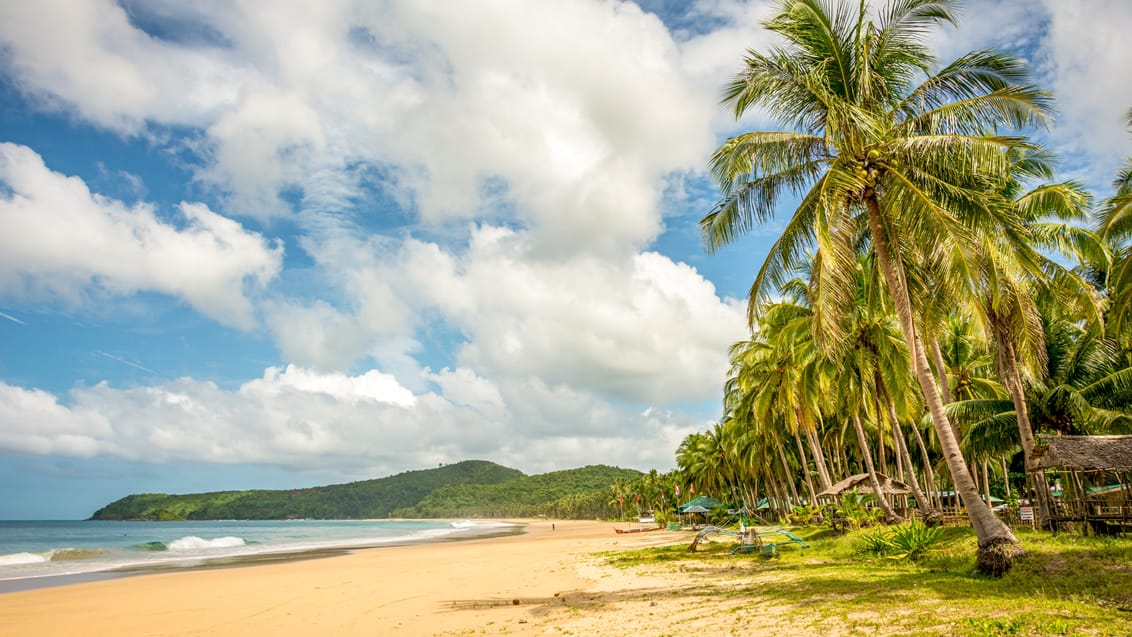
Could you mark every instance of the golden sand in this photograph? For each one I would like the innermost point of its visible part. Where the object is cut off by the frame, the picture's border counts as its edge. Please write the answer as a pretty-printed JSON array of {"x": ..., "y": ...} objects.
[{"x": 543, "y": 582}]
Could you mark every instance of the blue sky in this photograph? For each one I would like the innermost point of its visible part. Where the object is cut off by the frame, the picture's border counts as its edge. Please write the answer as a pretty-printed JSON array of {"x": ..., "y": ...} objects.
[{"x": 244, "y": 247}]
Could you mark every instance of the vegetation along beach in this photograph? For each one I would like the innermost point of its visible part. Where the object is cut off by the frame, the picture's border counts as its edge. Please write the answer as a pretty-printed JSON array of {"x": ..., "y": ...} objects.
[{"x": 603, "y": 317}]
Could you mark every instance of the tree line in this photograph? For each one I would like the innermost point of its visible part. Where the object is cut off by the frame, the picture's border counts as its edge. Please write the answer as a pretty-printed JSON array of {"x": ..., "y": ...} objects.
[{"x": 936, "y": 297}]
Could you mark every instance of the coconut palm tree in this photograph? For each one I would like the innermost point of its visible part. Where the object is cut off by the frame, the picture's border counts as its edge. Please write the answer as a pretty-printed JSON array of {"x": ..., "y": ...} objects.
[
  {"x": 1114, "y": 220},
  {"x": 1083, "y": 388},
  {"x": 1010, "y": 276},
  {"x": 869, "y": 146}
]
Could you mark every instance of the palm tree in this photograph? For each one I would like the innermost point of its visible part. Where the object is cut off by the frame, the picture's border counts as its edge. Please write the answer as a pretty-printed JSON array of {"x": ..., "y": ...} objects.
[
  {"x": 1115, "y": 223},
  {"x": 872, "y": 148},
  {"x": 1009, "y": 277},
  {"x": 1083, "y": 388}
]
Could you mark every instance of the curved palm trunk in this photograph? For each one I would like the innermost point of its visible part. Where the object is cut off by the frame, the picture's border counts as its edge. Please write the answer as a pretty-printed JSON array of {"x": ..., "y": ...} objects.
[
  {"x": 930, "y": 515},
  {"x": 929, "y": 475},
  {"x": 786, "y": 477},
  {"x": 805, "y": 469},
  {"x": 941, "y": 371},
  {"x": 1008, "y": 369},
  {"x": 997, "y": 545},
  {"x": 819, "y": 458},
  {"x": 867, "y": 456}
]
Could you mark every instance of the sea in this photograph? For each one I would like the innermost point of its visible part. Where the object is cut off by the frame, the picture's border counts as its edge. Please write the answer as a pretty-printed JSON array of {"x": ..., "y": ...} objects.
[{"x": 35, "y": 554}]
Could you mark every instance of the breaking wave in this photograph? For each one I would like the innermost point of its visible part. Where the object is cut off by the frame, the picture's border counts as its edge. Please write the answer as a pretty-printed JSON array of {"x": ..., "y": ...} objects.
[{"x": 194, "y": 543}]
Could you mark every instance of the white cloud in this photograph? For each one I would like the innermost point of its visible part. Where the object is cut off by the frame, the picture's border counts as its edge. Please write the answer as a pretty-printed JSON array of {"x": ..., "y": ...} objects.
[
  {"x": 638, "y": 328},
  {"x": 59, "y": 241},
  {"x": 301, "y": 419},
  {"x": 575, "y": 111},
  {"x": 1088, "y": 44},
  {"x": 641, "y": 328},
  {"x": 85, "y": 55},
  {"x": 370, "y": 386}
]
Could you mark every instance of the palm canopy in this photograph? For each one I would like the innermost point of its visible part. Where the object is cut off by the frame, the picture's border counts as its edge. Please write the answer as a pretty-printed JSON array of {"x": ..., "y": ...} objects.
[
  {"x": 1115, "y": 223},
  {"x": 861, "y": 125},
  {"x": 1082, "y": 388}
]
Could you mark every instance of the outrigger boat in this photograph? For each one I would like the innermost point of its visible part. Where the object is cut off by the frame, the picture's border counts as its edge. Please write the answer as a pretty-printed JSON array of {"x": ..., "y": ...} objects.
[{"x": 641, "y": 529}]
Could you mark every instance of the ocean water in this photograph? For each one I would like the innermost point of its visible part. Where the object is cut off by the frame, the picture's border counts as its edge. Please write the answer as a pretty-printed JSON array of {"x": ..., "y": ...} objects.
[{"x": 39, "y": 553}]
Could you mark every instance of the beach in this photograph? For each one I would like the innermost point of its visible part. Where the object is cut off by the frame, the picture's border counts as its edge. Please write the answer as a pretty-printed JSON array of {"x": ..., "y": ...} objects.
[{"x": 544, "y": 581}]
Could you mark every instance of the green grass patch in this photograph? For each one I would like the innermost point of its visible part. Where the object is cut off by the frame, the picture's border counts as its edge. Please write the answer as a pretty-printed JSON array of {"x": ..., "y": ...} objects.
[{"x": 1065, "y": 585}]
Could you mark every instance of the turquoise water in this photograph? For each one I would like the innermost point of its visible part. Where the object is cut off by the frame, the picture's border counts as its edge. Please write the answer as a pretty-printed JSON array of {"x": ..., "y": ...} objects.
[{"x": 69, "y": 549}]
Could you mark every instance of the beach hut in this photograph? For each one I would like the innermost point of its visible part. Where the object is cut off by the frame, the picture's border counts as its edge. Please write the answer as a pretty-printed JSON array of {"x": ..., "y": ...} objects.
[
  {"x": 859, "y": 483},
  {"x": 1095, "y": 473}
]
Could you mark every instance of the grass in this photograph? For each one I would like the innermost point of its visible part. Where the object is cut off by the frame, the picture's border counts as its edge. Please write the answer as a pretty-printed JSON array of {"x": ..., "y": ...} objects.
[{"x": 1066, "y": 585}]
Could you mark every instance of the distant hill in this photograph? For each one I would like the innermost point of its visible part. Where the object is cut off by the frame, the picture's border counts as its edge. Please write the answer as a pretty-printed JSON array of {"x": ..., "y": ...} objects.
[
  {"x": 366, "y": 499},
  {"x": 466, "y": 489},
  {"x": 574, "y": 493}
]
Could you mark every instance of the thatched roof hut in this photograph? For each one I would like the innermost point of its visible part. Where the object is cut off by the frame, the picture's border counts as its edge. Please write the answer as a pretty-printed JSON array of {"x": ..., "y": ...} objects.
[
  {"x": 859, "y": 483},
  {"x": 1097, "y": 473},
  {"x": 1083, "y": 453}
]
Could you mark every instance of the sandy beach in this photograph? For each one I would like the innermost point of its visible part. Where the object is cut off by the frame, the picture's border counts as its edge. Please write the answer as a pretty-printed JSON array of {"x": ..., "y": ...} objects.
[{"x": 453, "y": 588}]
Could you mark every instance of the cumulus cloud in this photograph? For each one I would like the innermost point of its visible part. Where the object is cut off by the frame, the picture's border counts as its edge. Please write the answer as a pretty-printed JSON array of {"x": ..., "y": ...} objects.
[
  {"x": 86, "y": 56},
  {"x": 1087, "y": 45},
  {"x": 643, "y": 328},
  {"x": 640, "y": 328},
  {"x": 59, "y": 241},
  {"x": 567, "y": 113},
  {"x": 301, "y": 419}
]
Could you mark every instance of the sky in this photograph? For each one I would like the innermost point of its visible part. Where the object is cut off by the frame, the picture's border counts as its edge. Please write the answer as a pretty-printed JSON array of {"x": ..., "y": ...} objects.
[{"x": 276, "y": 245}]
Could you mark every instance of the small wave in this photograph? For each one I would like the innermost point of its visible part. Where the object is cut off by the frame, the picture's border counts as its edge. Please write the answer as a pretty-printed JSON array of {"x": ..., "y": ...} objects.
[
  {"x": 60, "y": 555},
  {"x": 22, "y": 558},
  {"x": 194, "y": 543},
  {"x": 481, "y": 524}
]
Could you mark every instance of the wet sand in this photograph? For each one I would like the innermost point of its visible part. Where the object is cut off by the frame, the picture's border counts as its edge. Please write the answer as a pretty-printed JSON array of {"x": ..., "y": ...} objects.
[{"x": 521, "y": 584}]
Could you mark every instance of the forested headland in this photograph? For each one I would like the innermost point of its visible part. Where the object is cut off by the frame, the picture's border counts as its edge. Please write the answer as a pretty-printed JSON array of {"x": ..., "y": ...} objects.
[{"x": 466, "y": 489}]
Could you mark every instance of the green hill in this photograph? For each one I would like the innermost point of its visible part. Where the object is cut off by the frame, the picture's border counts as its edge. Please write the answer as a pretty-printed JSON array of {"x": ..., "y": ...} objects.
[
  {"x": 473, "y": 488},
  {"x": 574, "y": 493},
  {"x": 366, "y": 499}
]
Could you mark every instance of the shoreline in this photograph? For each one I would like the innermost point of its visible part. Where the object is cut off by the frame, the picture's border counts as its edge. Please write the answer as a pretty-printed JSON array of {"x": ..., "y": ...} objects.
[
  {"x": 513, "y": 582},
  {"x": 15, "y": 585}
]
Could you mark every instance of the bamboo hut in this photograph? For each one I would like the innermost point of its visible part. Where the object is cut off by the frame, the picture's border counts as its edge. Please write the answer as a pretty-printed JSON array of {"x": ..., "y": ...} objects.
[
  {"x": 1095, "y": 476},
  {"x": 859, "y": 483}
]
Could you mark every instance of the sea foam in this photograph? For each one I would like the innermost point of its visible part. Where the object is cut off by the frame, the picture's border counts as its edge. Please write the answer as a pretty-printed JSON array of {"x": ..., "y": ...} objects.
[
  {"x": 22, "y": 558},
  {"x": 194, "y": 543}
]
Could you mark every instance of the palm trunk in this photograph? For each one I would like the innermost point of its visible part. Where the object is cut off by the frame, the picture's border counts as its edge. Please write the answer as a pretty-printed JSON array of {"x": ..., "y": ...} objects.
[
  {"x": 930, "y": 515},
  {"x": 1008, "y": 370},
  {"x": 786, "y": 477},
  {"x": 929, "y": 474},
  {"x": 986, "y": 481},
  {"x": 889, "y": 513},
  {"x": 997, "y": 545},
  {"x": 941, "y": 371},
  {"x": 805, "y": 469},
  {"x": 881, "y": 451},
  {"x": 819, "y": 458},
  {"x": 779, "y": 497},
  {"x": 842, "y": 456}
]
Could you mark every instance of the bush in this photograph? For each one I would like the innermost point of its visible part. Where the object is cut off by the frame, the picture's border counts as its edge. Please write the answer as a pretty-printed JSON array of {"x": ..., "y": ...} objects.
[
  {"x": 804, "y": 515},
  {"x": 910, "y": 541}
]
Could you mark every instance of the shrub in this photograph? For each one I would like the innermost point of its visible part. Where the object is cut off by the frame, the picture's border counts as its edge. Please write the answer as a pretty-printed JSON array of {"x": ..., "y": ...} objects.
[
  {"x": 910, "y": 541},
  {"x": 913, "y": 540},
  {"x": 804, "y": 515}
]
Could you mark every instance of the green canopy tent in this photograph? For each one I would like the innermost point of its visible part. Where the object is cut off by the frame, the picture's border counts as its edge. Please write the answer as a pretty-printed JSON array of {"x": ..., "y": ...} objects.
[{"x": 702, "y": 501}]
